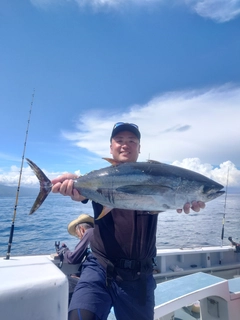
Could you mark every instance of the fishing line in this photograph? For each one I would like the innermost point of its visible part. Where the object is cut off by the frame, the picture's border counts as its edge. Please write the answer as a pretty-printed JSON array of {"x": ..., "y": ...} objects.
[
  {"x": 19, "y": 182},
  {"x": 224, "y": 213}
]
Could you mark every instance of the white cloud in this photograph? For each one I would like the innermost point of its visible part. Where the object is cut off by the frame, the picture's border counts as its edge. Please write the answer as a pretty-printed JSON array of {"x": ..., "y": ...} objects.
[
  {"x": 226, "y": 173},
  {"x": 28, "y": 178},
  {"x": 179, "y": 128},
  {"x": 12, "y": 177},
  {"x": 174, "y": 126},
  {"x": 217, "y": 10}
]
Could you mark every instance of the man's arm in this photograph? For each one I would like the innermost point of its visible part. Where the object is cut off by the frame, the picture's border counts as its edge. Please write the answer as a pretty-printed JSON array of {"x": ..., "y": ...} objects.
[{"x": 76, "y": 256}]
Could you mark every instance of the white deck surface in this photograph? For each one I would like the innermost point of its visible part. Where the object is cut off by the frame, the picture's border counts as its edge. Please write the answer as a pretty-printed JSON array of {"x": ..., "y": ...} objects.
[{"x": 32, "y": 288}]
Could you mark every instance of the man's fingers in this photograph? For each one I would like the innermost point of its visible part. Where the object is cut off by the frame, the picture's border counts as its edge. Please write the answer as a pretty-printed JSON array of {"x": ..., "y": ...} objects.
[
  {"x": 195, "y": 206},
  {"x": 56, "y": 187},
  {"x": 77, "y": 196},
  {"x": 201, "y": 204},
  {"x": 186, "y": 207},
  {"x": 66, "y": 176},
  {"x": 66, "y": 188}
]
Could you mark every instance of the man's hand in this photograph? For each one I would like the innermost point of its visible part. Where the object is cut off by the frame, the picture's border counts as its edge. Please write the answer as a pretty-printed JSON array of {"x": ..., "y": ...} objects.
[
  {"x": 64, "y": 185},
  {"x": 195, "y": 206}
]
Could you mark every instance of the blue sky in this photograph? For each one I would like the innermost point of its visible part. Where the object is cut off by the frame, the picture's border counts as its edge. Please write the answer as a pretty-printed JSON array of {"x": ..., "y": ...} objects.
[{"x": 170, "y": 66}]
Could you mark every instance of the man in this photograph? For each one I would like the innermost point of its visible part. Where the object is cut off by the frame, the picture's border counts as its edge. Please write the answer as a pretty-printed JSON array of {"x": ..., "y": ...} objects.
[
  {"x": 237, "y": 245},
  {"x": 82, "y": 228},
  {"x": 118, "y": 273}
]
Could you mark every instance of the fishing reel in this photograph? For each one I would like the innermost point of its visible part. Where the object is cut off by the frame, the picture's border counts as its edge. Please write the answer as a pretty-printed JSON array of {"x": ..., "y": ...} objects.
[
  {"x": 57, "y": 245},
  {"x": 237, "y": 245},
  {"x": 60, "y": 251}
]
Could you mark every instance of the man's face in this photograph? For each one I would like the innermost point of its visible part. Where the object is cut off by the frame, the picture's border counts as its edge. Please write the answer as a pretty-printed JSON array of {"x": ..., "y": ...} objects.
[
  {"x": 80, "y": 231},
  {"x": 125, "y": 147}
]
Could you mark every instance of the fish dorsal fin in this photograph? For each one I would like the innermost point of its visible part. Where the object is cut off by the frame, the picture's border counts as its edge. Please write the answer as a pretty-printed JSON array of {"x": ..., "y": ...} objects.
[
  {"x": 153, "y": 161},
  {"x": 112, "y": 161}
]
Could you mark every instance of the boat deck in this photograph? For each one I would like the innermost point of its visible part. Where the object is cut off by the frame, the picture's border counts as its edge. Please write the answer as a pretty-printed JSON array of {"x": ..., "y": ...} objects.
[
  {"x": 26, "y": 280},
  {"x": 175, "y": 294}
]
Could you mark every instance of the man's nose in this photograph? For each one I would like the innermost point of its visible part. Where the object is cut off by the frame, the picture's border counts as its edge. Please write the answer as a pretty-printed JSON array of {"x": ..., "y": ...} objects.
[{"x": 125, "y": 144}]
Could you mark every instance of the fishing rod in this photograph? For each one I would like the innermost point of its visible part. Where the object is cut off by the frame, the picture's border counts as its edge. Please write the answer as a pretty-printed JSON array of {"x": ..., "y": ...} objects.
[
  {"x": 19, "y": 182},
  {"x": 224, "y": 213}
]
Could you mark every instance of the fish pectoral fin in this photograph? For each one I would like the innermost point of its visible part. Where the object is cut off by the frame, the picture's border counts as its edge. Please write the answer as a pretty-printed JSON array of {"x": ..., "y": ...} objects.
[
  {"x": 112, "y": 161},
  {"x": 104, "y": 212},
  {"x": 143, "y": 189}
]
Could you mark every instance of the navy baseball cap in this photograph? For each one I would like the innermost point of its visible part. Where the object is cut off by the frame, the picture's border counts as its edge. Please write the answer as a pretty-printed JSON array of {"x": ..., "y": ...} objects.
[{"x": 125, "y": 126}]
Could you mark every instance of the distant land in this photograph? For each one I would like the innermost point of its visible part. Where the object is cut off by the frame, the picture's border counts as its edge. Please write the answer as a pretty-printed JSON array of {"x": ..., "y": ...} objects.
[{"x": 6, "y": 191}]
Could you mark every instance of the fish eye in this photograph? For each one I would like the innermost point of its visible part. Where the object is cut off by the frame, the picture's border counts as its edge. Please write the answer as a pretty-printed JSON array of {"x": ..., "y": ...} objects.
[{"x": 206, "y": 189}]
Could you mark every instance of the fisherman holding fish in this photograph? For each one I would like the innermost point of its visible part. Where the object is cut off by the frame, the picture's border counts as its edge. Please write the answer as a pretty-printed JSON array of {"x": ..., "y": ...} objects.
[{"x": 118, "y": 272}]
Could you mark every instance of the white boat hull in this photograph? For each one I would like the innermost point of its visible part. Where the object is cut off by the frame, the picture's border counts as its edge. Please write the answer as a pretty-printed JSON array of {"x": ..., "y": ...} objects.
[
  {"x": 220, "y": 261},
  {"x": 32, "y": 288},
  {"x": 38, "y": 289}
]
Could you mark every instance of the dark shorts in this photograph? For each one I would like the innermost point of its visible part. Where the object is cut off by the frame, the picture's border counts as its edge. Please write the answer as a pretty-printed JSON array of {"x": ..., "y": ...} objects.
[{"x": 91, "y": 293}]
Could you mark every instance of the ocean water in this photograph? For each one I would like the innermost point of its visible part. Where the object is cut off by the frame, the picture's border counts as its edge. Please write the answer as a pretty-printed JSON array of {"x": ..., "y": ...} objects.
[{"x": 37, "y": 233}]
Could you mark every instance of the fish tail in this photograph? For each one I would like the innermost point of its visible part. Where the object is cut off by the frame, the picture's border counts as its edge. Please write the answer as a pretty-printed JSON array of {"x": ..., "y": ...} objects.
[{"x": 45, "y": 186}]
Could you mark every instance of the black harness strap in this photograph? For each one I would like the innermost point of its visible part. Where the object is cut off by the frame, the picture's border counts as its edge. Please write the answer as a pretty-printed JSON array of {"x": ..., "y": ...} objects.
[
  {"x": 141, "y": 266},
  {"x": 109, "y": 273},
  {"x": 128, "y": 264}
]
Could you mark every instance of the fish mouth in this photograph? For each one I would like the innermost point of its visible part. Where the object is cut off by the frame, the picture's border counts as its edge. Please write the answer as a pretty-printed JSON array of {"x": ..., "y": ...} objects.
[
  {"x": 208, "y": 189},
  {"x": 214, "y": 195}
]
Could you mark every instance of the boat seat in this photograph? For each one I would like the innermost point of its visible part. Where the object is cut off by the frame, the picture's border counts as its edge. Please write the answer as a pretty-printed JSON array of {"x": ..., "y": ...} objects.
[
  {"x": 234, "y": 288},
  {"x": 234, "y": 305},
  {"x": 174, "y": 294}
]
